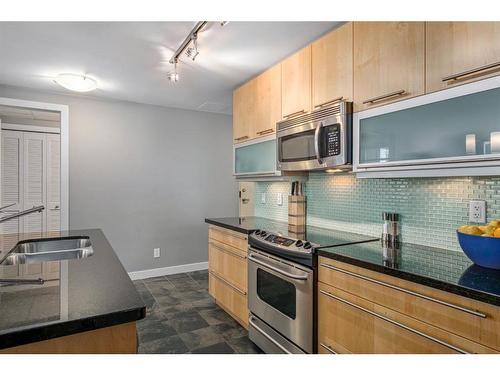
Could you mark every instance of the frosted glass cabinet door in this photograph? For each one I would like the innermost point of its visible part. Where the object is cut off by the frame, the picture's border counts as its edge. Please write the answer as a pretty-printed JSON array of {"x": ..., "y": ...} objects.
[
  {"x": 457, "y": 129},
  {"x": 257, "y": 158}
]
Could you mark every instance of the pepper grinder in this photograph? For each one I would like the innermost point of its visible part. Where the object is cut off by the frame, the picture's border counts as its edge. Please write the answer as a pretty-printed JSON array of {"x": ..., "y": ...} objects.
[{"x": 390, "y": 231}]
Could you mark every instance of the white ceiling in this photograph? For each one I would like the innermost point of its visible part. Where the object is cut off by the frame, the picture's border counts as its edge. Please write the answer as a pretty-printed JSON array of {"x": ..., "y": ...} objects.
[{"x": 130, "y": 59}]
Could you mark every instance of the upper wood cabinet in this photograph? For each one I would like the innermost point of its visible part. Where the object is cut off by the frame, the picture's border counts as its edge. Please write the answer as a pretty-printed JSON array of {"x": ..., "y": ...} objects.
[
  {"x": 332, "y": 67},
  {"x": 257, "y": 106},
  {"x": 461, "y": 52},
  {"x": 296, "y": 83},
  {"x": 388, "y": 62},
  {"x": 243, "y": 112},
  {"x": 268, "y": 101}
]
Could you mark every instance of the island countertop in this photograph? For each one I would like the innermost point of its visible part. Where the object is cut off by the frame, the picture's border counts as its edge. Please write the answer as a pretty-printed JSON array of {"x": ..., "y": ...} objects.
[{"x": 79, "y": 294}]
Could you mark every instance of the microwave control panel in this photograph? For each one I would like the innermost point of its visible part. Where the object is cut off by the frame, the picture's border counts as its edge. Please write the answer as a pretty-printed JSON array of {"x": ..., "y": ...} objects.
[{"x": 331, "y": 140}]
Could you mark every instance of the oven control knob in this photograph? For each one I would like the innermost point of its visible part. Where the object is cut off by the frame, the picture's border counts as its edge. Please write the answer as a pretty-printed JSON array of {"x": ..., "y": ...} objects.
[
  {"x": 257, "y": 232},
  {"x": 299, "y": 243},
  {"x": 263, "y": 233},
  {"x": 307, "y": 245}
]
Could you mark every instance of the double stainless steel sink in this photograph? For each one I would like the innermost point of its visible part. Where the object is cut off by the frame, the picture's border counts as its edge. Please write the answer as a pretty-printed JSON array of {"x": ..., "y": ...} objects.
[{"x": 49, "y": 250}]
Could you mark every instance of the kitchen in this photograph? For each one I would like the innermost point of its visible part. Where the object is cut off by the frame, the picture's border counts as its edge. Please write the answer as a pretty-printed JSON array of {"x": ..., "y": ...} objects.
[{"x": 337, "y": 196}]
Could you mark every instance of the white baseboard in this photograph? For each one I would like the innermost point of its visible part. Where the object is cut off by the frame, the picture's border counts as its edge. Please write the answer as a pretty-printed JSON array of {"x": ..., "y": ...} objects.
[{"x": 155, "y": 272}]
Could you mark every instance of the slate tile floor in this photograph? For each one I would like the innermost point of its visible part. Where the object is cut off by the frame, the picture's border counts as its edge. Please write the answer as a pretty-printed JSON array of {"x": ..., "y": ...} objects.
[{"x": 181, "y": 317}]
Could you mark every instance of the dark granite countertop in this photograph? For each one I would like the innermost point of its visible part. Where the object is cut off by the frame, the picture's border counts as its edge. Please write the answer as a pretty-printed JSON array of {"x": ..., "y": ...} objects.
[
  {"x": 317, "y": 235},
  {"x": 248, "y": 224},
  {"x": 79, "y": 295},
  {"x": 448, "y": 270}
]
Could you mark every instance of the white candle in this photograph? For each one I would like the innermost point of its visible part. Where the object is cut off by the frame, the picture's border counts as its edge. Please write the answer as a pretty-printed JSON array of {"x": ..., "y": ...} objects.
[
  {"x": 495, "y": 142},
  {"x": 470, "y": 144}
]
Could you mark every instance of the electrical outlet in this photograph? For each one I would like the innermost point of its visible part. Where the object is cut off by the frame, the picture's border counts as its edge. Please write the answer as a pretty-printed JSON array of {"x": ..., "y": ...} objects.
[
  {"x": 263, "y": 198},
  {"x": 280, "y": 199},
  {"x": 156, "y": 252},
  {"x": 477, "y": 211}
]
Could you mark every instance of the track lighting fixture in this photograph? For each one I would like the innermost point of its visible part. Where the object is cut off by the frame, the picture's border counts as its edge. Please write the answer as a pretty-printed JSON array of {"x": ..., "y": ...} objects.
[
  {"x": 192, "y": 52},
  {"x": 173, "y": 76},
  {"x": 189, "y": 46}
]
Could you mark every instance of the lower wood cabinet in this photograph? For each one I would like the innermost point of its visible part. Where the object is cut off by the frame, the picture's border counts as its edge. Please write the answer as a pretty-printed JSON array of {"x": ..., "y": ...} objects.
[
  {"x": 349, "y": 324},
  {"x": 232, "y": 300},
  {"x": 118, "y": 339},
  {"x": 227, "y": 266},
  {"x": 363, "y": 311}
]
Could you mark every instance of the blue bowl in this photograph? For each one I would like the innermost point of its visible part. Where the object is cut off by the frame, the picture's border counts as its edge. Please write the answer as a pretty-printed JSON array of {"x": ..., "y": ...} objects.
[{"x": 483, "y": 251}]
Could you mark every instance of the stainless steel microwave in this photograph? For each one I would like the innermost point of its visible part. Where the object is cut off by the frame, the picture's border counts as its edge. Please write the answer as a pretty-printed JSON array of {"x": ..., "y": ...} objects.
[{"x": 318, "y": 140}]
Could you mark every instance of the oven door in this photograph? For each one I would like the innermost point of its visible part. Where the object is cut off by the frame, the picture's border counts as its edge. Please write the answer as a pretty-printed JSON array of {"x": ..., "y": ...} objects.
[{"x": 280, "y": 293}]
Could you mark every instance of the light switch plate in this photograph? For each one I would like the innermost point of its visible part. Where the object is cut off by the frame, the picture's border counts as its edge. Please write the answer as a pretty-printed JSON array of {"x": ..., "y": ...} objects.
[
  {"x": 263, "y": 198},
  {"x": 280, "y": 199},
  {"x": 477, "y": 211},
  {"x": 156, "y": 252}
]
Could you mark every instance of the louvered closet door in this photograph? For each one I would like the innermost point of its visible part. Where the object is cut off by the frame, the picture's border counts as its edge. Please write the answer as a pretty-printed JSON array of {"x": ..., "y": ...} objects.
[
  {"x": 34, "y": 181},
  {"x": 12, "y": 183},
  {"x": 53, "y": 207}
]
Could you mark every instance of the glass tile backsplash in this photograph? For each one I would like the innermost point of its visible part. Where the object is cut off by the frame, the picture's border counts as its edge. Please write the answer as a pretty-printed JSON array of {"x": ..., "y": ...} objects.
[{"x": 431, "y": 208}]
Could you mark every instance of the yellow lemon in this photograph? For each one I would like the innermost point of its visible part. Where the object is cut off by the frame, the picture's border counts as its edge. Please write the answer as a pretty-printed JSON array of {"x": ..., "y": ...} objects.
[
  {"x": 490, "y": 229},
  {"x": 495, "y": 223},
  {"x": 463, "y": 228},
  {"x": 475, "y": 230},
  {"x": 497, "y": 232}
]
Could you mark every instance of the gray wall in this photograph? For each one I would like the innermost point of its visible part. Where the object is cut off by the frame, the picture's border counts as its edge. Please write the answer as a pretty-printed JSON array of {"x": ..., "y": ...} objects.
[{"x": 146, "y": 175}]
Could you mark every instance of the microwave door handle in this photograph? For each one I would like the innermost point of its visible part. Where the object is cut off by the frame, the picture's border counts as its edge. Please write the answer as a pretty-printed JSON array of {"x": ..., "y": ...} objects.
[{"x": 316, "y": 142}]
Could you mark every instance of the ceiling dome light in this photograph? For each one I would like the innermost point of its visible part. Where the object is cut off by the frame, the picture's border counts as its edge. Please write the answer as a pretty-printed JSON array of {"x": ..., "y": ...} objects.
[{"x": 76, "y": 82}]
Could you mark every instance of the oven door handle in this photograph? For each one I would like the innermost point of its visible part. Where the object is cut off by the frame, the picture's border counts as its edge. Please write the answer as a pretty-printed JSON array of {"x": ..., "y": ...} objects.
[
  {"x": 267, "y": 336},
  {"x": 276, "y": 269},
  {"x": 316, "y": 142}
]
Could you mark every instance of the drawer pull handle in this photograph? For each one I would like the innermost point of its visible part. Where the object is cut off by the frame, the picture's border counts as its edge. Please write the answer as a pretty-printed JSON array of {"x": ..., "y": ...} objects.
[
  {"x": 267, "y": 131},
  {"x": 267, "y": 336},
  {"x": 386, "y": 96},
  {"x": 228, "y": 283},
  {"x": 480, "y": 69},
  {"x": 224, "y": 250},
  {"x": 400, "y": 325},
  {"x": 241, "y": 138},
  {"x": 324, "y": 104},
  {"x": 294, "y": 114},
  {"x": 328, "y": 347},
  {"x": 463, "y": 309}
]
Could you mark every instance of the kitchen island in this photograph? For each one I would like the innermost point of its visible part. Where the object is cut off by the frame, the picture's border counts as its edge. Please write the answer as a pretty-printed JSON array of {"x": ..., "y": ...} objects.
[{"x": 86, "y": 305}]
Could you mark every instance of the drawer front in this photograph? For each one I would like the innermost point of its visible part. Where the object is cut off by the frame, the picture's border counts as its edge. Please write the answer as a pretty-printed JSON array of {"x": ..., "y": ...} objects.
[
  {"x": 349, "y": 324},
  {"x": 230, "y": 299},
  {"x": 228, "y": 263},
  {"x": 228, "y": 237},
  {"x": 470, "y": 319}
]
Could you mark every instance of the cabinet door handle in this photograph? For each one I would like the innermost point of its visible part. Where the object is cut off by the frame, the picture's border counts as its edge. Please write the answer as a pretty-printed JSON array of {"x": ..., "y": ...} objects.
[
  {"x": 267, "y": 131},
  {"x": 386, "y": 96},
  {"x": 243, "y": 293},
  {"x": 294, "y": 114},
  {"x": 453, "y": 306},
  {"x": 329, "y": 102},
  {"x": 328, "y": 347},
  {"x": 241, "y": 138},
  {"x": 480, "y": 69},
  {"x": 223, "y": 249},
  {"x": 400, "y": 325}
]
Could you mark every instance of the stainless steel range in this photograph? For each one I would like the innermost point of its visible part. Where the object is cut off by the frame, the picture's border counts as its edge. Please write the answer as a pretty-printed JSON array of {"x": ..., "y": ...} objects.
[{"x": 281, "y": 278}]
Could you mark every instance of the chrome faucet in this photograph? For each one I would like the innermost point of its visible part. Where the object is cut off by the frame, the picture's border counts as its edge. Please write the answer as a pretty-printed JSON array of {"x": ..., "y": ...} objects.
[
  {"x": 13, "y": 216},
  {"x": 19, "y": 214}
]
